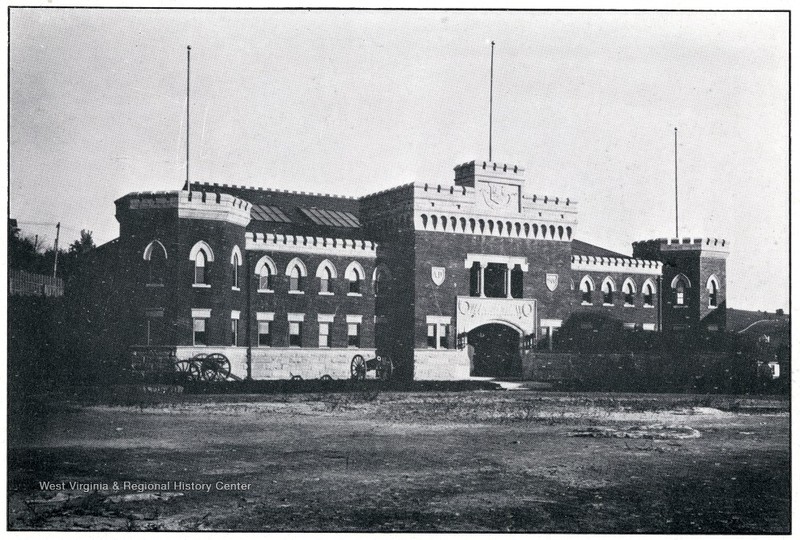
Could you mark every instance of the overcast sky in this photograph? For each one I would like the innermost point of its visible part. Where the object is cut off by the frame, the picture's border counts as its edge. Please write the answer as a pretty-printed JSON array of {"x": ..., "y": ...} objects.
[{"x": 354, "y": 102}]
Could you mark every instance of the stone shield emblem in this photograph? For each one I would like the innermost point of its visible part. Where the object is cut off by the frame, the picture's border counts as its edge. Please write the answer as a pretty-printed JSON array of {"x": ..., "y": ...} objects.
[
  {"x": 552, "y": 282},
  {"x": 437, "y": 275}
]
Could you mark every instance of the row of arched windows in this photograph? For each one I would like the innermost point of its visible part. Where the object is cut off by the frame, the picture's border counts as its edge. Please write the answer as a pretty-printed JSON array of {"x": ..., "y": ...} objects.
[
  {"x": 680, "y": 286},
  {"x": 326, "y": 273},
  {"x": 609, "y": 289},
  {"x": 266, "y": 270}
]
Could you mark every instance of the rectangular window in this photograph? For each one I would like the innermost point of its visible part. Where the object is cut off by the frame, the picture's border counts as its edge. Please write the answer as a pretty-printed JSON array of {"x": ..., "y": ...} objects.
[
  {"x": 264, "y": 334},
  {"x": 199, "y": 274},
  {"x": 235, "y": 332},
  {"x": 324, "y": 285},
  {"x": 295, "y": 334},
  {"x": 444, "y": 333},
  {"x": 235, "y": 270},
  {"x": 353, "y": 335},
  {"x": 679, "y": 297},
  {"x": 438, "y": 335},
  {"x": 324, "y": 334},
  {"x": 199, "y": 326}
]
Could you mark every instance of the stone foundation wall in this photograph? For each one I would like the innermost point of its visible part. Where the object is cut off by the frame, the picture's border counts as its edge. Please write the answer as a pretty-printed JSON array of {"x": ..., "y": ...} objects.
[
  {"x": 282, "y": 363},
  {"x": 441, "y": 365}
]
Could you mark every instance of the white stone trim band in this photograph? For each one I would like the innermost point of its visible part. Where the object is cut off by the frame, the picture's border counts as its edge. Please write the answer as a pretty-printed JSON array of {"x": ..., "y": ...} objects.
[
  {"x": 589, "y": 263},
  {"x": 313, "y": 245}
]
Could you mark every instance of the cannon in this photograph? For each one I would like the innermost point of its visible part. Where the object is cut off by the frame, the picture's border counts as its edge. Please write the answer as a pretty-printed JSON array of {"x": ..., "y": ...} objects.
[
  {"x": 205, "y": 367},
  {"x": 381, "y": 365},
  {"x": 160, "y": 364}
]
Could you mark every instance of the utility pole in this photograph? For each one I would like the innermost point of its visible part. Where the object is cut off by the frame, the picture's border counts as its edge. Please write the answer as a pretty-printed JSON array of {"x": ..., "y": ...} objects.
[
  {"x": 676, "y": 183},
  {"x": 491, "y": 92},
  {"x": 55, "y": 248},
  {"x": 188, "y": 65}
]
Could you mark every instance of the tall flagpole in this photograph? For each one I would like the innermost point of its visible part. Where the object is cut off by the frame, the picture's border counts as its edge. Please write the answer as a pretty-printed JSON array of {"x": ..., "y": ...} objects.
[
  {"x": 188, "y": 64},
  {"x": 491, "y": 91},
  {"x": 676, "y": 183}
]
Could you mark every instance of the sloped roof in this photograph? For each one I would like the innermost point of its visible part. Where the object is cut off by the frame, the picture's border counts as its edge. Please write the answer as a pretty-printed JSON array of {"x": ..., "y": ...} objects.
[
  {"x": 295, "y": 212},
  {"x": 585, "y": 248}
]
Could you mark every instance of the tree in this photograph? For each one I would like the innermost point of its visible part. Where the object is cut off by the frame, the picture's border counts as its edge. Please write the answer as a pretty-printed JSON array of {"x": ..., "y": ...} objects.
[{"x": 84, "y": 244}]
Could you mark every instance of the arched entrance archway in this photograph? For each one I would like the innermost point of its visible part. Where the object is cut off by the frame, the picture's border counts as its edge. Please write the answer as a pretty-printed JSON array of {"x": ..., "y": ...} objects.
[{"x": 494, "y": 351}]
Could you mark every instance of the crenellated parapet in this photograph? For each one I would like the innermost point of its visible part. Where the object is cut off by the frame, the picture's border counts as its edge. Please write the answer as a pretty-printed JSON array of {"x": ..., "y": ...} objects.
[
  {"x": 204, "y": 205},
  {"x": 316, "y": 245},
  {"x": 591, "y": 263},
  {"x": 711, "y": 247},
  {"x": 213, "y": 186}
]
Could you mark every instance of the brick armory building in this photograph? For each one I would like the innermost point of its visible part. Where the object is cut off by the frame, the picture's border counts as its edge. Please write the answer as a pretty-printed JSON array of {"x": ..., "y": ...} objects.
[{"x": 450, "y": 279}]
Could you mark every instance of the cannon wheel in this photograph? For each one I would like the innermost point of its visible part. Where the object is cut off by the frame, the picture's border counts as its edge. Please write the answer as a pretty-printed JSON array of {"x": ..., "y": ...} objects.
[
  {"x": 215, "y": 367},
  {"x": 384, "y": 368},
  {"x": 187, "y": 370},
  {"x": 358, "y": 368}
]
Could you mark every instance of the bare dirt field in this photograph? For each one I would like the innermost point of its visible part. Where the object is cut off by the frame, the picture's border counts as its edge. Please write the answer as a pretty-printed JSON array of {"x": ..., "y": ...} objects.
[{"x": 377, "y": 461}]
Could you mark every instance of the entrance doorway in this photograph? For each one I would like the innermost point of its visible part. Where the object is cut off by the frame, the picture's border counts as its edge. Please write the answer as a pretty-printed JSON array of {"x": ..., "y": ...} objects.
[{"x": 494, "y": 351}]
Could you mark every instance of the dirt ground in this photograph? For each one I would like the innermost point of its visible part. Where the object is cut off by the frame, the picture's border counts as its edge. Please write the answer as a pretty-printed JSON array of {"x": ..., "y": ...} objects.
[{"x": 371, "y": 461}]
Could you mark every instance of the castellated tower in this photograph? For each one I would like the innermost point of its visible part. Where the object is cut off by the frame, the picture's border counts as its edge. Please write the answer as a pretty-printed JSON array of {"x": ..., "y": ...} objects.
[
  {"x": 693, "y": 283},
  {"x": 162, "y": 237}
]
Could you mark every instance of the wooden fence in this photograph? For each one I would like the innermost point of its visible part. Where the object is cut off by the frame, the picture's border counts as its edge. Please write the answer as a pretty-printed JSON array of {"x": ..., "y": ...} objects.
[{"x": 24, "y": 283}]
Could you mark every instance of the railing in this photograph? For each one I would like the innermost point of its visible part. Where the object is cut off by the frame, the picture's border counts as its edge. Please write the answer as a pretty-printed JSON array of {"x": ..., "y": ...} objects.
[{"x": 22, "y": 283}]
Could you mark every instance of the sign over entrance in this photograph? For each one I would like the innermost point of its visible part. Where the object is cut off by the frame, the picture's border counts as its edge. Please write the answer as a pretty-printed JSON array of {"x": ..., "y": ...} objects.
[
  {"x": 437, "y": 275},
  {"x": 473, "y": 312}
]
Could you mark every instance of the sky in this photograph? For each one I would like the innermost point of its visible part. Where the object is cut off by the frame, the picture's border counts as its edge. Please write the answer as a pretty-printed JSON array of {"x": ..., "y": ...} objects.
[{"x": 353, "y": 102}]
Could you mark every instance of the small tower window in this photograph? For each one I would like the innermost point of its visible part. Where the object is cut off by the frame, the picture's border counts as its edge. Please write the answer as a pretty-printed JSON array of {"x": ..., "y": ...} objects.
[
  {"x": 235, "y": 263},
  {"x": 200, "y": 268},
  {"x": 713, "y": 291},
  {"x": 680, "y": 288}
]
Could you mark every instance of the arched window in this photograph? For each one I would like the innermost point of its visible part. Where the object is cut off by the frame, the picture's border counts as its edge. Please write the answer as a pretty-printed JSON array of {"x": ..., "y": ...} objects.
[
  {"x": 295, "y": 279},
  {"x": 680, "y": 286},
  {"x": 587, "y": 286},
  {"x": 236, "y": 262},
  {"x": 713, "y": 291},
  {"x": 156, "y": 256},
  {"x": 326, "y": 272},
  {"x": 355, "y": 277},
  {"x": 648, "y": 292},
  {"x": 201, "y": 255},
  {"x": 297, "y": 272},
  {"x": 609, "y": 288},
  {"x": 266, "y": 272},
  {"x": 381, "y": 278},
  {"x": 629, "y": 290},
  {"x": 200, "y": 269}
]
